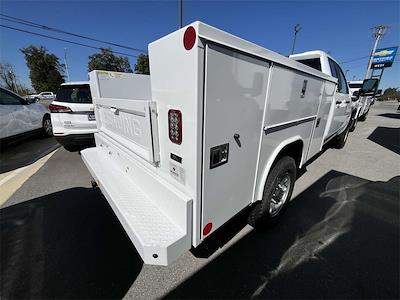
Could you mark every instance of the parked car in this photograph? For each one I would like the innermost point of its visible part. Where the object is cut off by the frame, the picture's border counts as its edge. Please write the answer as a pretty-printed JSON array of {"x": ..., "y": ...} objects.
[
  {"x": 72, "y": 115},
  {"x": 42, "y": 96},
  {"x": 20, "y": 117},
  {"x": 227, "y": 130}
]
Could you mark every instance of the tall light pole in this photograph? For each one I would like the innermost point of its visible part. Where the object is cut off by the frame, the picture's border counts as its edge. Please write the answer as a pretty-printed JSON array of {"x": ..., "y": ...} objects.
[
  {"x": 180, "y": 14},
  {"x": 65, "y": 62},
  {"x": 297, "y": 28},
  {"x": 345, "y": 73},
  {"x": 379, "y": 31}
]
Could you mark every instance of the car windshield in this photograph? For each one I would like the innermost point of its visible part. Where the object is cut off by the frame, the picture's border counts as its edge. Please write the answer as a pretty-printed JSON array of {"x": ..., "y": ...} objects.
[{"x": 74, "y": 94}]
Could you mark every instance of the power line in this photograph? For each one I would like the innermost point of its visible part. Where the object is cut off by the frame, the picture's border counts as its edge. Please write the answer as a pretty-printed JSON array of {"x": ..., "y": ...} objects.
[
  {"x": 354, "y": 59},
  {"x": 41, "y": 26},
  {"x": 63, "y": 40}
]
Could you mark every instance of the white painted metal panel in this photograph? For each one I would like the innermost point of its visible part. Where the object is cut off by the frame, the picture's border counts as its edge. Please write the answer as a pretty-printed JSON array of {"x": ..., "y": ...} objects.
[
  {"x": 322, "y": 121},
  {"x": 125, "y": 112},
  {"x": 286, "y": 102},
  {"x": 235, "y": 91}
]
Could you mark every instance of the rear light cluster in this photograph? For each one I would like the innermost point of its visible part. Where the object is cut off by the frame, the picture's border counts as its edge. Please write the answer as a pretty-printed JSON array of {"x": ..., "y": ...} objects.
[
  {"x": 175, "y": 126},
  {"x": 54, "y": 108}
]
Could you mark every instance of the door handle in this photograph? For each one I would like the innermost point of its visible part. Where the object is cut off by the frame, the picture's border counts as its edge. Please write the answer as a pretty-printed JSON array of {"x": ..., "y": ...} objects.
[
  {"x": 338, "y": 102},
  {"x": 236, "y": 136}
]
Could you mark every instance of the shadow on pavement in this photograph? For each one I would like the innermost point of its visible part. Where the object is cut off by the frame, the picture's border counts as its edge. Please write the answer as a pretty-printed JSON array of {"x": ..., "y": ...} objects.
[
  {"x": 67, "y": 244},
  {"x": 387, "y": 137},
  {"x": 338, "y": 239},
  {"x": 25, "y": 151},
  {"x": 390, "y": 115}
]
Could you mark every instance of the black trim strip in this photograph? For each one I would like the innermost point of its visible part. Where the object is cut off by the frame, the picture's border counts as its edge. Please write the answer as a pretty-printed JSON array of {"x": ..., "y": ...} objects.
[
  {"x": 329, "y": 137},
  {"x": 288, "y": 125}
]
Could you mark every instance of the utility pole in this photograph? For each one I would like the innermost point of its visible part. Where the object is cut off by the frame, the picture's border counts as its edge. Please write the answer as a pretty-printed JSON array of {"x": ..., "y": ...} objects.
[
  {"x": 180, "y": 14},
  {"x": 297, "y": 28},
  {"x": 65, "y": 62},
  {"x": 379, "y": 31}
]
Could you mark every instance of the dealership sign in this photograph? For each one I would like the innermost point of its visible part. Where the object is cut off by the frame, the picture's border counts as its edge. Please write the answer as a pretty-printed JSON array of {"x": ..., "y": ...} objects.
[{"x": 384, "y": 57}]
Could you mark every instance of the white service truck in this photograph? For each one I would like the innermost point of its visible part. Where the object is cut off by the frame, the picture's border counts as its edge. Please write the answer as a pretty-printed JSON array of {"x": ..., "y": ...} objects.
[
  {"x": 227, "y": 126},
  {"x": 363, "y": 102}
]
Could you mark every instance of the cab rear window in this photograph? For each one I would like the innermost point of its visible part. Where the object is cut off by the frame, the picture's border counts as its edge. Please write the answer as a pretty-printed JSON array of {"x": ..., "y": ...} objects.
[
  {"x": 74, "y": 94},
  {"x": 312, "y": 62}
]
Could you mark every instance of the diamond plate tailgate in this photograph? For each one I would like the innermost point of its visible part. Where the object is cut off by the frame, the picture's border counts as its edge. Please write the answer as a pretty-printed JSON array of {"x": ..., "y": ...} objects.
[{"x": 156, "y": 216}]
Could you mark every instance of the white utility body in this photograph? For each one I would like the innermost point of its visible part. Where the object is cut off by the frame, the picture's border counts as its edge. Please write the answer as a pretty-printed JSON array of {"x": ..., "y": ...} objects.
[{"x": 179, "y": 163}]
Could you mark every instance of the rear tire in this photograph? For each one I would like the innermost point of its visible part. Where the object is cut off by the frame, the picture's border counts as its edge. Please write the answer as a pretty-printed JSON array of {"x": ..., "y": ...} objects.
[
  {"x": 341, "y": 139},
  {"x": 72, "y": 148},
  {"x": 47, "y": 127},
  {"x": 277, "y": 192},
  {"x": 364, "y": 117},
  {"x": 353, "y": 125}
]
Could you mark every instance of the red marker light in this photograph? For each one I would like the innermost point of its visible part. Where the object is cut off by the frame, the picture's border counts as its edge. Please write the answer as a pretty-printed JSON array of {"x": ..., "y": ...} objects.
[
  {"x": 175, "y": 126},
  {"x": 207, "y": 229},
  {"x": 189, "y": 38}
]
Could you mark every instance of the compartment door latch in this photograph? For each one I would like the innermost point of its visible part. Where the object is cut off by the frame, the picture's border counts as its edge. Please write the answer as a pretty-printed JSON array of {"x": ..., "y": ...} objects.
[{"x": 219, "y": 155}]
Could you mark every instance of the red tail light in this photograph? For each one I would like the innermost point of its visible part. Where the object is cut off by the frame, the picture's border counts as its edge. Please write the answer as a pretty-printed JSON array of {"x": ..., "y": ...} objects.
[
  {"x": 54, "y": 108},
  {"x": 175, "y": 126}
]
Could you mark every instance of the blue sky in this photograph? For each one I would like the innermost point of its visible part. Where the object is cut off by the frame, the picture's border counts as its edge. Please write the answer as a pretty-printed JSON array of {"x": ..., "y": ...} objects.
[{"x": 341, "y": 27}]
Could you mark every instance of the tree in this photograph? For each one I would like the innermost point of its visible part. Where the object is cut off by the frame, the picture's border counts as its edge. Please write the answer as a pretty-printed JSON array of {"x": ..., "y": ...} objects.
[
  {"x": 106, "y": 60},
  {"x": 45, "y": 70},
  {"x": 9, "y": 80},
  {"x": 142, "y": 64},
  {"x": 390, "y": 93}
]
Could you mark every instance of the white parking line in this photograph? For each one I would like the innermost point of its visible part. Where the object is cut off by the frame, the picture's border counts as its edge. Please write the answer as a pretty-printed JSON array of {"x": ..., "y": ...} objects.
[
  {"x": 12, "y": 174},
  {"x": 13, "y": 180}
]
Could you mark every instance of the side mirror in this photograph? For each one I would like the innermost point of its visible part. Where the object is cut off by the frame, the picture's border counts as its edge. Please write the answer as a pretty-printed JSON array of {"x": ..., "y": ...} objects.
[{"x": 369, "y": 87}]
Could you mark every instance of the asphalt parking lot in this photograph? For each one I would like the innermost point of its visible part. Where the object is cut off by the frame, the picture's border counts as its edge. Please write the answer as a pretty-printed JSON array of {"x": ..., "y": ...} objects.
[{"x": 339, "y": 237}]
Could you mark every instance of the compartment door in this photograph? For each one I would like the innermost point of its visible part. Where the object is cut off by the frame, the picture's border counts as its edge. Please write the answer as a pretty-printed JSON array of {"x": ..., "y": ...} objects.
[{"x": 235, "y": 92}]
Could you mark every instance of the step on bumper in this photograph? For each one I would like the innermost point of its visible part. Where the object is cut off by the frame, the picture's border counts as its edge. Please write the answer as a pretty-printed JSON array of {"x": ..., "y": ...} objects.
[{"x": 155, "y": 215}]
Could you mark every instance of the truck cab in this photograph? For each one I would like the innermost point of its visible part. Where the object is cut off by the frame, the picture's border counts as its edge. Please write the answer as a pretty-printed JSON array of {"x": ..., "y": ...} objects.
[{"x": 323, "y": 62}]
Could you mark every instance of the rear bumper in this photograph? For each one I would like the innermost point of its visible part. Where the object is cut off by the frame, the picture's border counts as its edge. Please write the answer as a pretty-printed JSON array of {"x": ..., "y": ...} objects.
[
  {"x": 86, "y": 139},
  {"x": 155, "y": 215}
]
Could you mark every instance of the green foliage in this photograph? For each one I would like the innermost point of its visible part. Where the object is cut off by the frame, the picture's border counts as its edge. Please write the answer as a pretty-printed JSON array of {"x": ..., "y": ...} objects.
[
  {"x": 9, "y": 80},
  {"x": 106, "y": 60},
  {"x": 390, "y": 93},
  {"x": 45, "y": 70},
  {"x": 142, "y": 64}
]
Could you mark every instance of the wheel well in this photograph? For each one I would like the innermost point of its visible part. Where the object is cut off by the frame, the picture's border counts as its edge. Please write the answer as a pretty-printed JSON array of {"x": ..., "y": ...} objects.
[{"x": 294, "y": 150}]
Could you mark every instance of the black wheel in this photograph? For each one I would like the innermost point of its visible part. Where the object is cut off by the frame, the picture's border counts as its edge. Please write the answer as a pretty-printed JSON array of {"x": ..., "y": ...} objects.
[
  {"x": 341, "y": 139},
  {"x": 364, "y": 117},
  {"x": 353, "y": 125},
  {"x": 72, "y": 148},
  {"x": 277, "y": 192},
  {"x": 46, "y": 126}
]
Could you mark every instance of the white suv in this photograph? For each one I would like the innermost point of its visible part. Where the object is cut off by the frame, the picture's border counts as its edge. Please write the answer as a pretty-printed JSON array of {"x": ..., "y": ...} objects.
[
  {"x": 19, "y": 117},
  {"x": 72, "y": 116}
]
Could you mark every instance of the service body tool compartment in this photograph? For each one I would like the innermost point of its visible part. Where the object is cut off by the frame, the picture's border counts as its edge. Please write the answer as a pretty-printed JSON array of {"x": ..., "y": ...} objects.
[{"x": 235, "y": 92}]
